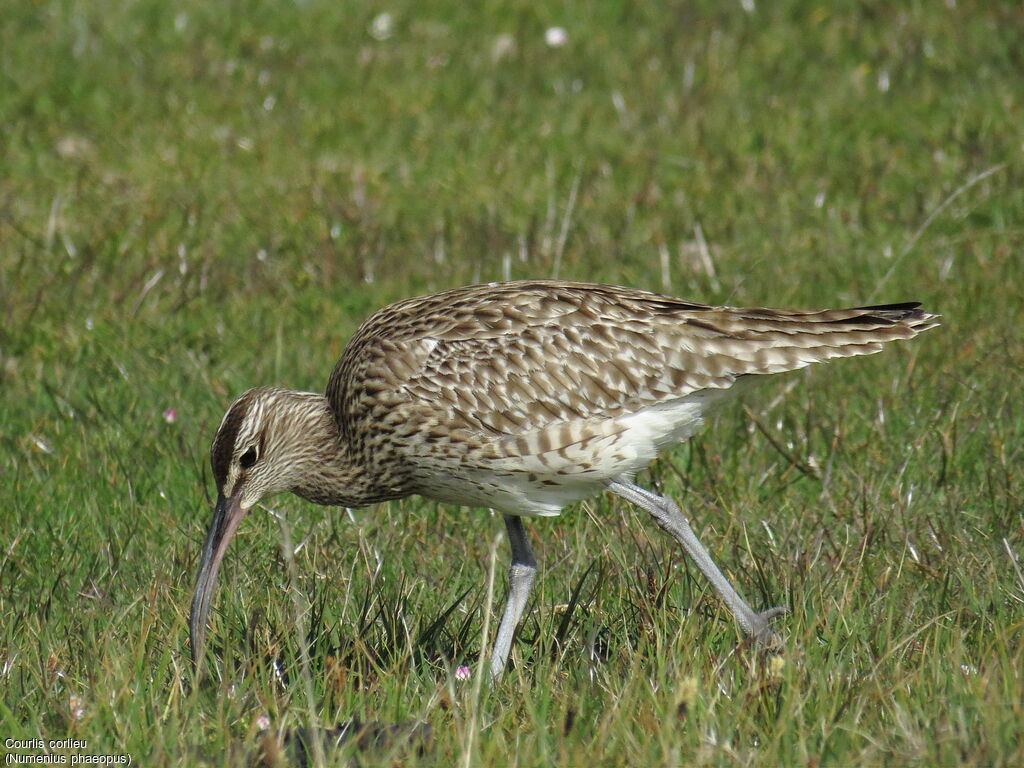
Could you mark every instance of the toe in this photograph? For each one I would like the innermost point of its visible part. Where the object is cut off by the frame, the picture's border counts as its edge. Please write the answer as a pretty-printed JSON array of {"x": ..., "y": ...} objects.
[{"x": 764, "y": 636}]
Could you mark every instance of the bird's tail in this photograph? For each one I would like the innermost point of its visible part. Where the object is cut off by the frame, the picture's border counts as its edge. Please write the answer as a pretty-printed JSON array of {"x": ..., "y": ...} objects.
[{"x": 754, "y": 340}]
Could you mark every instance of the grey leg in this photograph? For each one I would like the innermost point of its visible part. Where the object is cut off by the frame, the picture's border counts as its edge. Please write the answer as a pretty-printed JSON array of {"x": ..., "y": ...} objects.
[
  {"x": 520, "y": 580},
  {"x": 667, "y": 515}
]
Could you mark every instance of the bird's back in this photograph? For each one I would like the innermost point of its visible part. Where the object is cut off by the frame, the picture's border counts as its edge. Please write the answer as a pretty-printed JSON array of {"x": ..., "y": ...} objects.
[{"x": 525, "y": 396}]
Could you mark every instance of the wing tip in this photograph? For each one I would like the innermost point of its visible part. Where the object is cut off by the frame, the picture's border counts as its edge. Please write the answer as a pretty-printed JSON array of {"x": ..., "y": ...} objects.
[{"x": 907, "y": 314}]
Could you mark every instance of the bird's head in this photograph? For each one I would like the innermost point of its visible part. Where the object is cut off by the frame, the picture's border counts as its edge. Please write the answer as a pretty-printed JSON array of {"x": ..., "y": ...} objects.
[
  {"x": 263, "y": 447},
  {"x": 255, "y": 452}
]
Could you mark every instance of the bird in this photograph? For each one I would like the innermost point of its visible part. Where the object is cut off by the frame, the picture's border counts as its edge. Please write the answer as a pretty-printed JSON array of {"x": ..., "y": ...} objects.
[{"x": 521, "y": 397}]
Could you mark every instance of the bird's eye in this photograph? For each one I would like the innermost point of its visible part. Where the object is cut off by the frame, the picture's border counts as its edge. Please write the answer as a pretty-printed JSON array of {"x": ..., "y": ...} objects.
[{"x": 249, "y": 457}]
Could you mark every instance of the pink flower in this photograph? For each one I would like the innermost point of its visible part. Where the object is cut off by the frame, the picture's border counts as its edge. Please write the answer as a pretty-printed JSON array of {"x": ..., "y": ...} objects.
[
  {"x": 170, "y": 415},
  {"x": 462, "y": 673}
]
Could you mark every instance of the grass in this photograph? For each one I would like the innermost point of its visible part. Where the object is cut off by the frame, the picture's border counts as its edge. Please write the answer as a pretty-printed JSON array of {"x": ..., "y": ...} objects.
[{"x": 197, "y": 198}]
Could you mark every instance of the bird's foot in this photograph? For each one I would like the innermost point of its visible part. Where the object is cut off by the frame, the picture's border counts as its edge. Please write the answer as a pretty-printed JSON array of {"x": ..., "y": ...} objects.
[{"x": 762, "y": 635}]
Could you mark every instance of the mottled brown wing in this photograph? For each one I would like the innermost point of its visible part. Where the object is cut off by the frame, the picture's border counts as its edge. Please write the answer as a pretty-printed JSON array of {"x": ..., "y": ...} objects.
[
  {"x": 508, "y": 358},
  {"x": 548, "y": 374}
]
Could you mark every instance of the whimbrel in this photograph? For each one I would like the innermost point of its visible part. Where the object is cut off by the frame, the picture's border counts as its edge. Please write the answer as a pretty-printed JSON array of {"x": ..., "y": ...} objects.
[{"x": 522, "y": 397}]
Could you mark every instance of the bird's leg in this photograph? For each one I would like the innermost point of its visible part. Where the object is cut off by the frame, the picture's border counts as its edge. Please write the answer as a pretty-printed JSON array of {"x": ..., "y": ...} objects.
[
  {"x": 667, "y": 515},
  {"x": 520, "y": 580}
]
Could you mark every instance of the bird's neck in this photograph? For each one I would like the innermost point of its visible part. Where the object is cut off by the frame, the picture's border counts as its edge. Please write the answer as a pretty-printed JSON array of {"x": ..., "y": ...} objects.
[{"x": 331, "y": 472}]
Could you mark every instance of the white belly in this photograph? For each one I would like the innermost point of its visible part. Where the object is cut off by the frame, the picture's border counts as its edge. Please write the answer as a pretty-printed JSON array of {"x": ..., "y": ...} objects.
[{"x": 542, "y": 472}]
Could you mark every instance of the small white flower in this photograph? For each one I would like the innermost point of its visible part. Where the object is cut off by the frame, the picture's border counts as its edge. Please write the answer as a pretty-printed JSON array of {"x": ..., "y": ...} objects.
[
  {"x": 382, "y": 26},
  {"x": 556, "y": 37}
]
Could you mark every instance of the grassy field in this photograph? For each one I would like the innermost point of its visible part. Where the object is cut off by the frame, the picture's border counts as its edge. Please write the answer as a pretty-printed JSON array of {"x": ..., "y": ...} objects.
[{"x": 196, "y": 198}]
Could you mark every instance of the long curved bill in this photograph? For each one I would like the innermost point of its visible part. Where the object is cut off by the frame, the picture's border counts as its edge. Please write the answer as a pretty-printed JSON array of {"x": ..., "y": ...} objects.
[{"x": 226, "y": 516}]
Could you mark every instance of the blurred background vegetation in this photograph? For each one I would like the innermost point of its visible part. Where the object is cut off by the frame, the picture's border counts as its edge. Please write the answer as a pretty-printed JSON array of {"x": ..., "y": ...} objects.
[{"x": 196, "y": 198}]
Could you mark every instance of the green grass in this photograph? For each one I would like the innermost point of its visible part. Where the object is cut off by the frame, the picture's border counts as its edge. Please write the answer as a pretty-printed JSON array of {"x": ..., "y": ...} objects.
[{"x": 196, "y": 198}]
